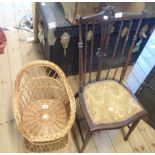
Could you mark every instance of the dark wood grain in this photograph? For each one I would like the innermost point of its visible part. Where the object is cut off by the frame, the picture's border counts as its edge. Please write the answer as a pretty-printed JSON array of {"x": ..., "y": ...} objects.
[
  {"x": 91, "y": 54},
  {"x": 125, "y": 42},
  {"x": 85, "y": 54},
  {"x": 131, "y": 50},
  {"x": 116, "y": 45}
]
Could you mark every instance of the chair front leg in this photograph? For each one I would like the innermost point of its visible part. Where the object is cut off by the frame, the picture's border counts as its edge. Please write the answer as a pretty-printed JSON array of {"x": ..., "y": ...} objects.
[
  {"x": 86, "y": 140},
  {"x": 78, "y": 124},
  {"x": 134, "y": 124}
]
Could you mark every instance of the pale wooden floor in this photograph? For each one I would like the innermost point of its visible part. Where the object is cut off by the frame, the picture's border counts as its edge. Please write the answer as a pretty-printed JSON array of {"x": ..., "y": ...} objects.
[{"x": 17, "y": 53}]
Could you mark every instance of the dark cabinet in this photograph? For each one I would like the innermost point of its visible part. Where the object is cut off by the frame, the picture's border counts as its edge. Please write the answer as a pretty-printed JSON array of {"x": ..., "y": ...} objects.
[
  {"x": 65, "y": 52},
  {"x": 146, "y": 95}
]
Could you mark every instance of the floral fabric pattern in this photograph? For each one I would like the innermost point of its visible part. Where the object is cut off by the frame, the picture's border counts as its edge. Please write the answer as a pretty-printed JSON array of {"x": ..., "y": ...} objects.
[{"x": 108, "y": 102}]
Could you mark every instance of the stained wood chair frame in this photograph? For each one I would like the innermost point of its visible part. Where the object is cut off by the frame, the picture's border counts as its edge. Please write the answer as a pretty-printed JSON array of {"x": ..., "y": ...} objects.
[{"x": 106, "y": 18}]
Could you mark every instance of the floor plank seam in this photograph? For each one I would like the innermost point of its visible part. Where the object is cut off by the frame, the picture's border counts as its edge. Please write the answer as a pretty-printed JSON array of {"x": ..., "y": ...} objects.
[
  {"x": 7, "y": 122},
  {"x": 12, "y": 96},
  {"x": 111, "y": 142},
  {"x": 18, "y": 35},
  {"x": 144, "y": 138},
  {"x": 94, "y": 143}
]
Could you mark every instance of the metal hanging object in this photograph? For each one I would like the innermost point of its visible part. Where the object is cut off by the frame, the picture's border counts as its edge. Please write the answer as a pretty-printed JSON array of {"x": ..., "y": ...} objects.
[
  {"x": 89, "y": 35},
  {"x": 112, "y": 29},
  {"x": 65, "y": 38},
  {"x": 124, "y": 32},
  {"x": 51, "y": 36},
  {"x": 143, "y": 31}
]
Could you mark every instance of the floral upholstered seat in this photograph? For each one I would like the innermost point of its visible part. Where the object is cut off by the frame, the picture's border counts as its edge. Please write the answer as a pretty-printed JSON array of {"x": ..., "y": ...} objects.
[{"x": 109, "y": 102}]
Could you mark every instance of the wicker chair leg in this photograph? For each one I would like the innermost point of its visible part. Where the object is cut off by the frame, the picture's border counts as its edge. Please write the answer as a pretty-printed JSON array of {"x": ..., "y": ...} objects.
[
  {"x": 134, "y": 124},
  {"x": 86, "y": 140}
]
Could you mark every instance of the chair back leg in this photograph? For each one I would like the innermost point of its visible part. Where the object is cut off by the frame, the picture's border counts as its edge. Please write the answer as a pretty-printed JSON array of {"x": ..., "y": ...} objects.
[
  {"x": 86, "y": 140},
  {"x": 134, "y": 124}
]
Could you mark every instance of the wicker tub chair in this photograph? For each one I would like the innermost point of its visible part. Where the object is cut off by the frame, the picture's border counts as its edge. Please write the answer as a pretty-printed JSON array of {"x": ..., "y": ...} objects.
[{"x": 44, "y": 106}]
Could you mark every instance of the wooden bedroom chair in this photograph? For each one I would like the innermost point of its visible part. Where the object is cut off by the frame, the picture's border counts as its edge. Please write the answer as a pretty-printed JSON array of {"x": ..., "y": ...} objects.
[{"x": 106, "y": 102}]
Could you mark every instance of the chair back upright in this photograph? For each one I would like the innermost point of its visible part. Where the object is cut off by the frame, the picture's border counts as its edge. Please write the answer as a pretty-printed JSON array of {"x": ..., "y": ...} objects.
[{"x": 104, "y": 24}]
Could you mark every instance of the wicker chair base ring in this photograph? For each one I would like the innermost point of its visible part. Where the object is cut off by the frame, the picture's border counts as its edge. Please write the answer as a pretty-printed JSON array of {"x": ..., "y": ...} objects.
[{"x": 46, "y": 147}]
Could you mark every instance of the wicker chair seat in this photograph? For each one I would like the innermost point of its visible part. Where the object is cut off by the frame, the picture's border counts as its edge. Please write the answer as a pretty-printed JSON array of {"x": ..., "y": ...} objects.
[
  {"x": 44, "y": 117},
  {"x": 109, "y": 102}
]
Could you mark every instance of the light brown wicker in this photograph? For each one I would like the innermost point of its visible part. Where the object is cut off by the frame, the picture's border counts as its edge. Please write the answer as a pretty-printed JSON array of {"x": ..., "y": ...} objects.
[
  {"x": 44, "y": 105},
  {"x": 47, "y": 147}
]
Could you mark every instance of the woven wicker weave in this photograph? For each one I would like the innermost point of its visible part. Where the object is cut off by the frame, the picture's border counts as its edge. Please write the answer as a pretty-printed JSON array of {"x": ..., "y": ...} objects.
[
  {"x": 44, "y": 105},
  {"x": 47, "y": 147}
]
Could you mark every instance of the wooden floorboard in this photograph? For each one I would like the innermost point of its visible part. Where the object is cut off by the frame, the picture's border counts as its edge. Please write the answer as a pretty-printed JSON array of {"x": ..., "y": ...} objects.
[
  {"x": 5, "y": 87},
  {"x": 138, "y": 142},
  {"x": 14, "y": 54},
  {"x": 136, "y": 139},
  {"x": 91, "y": 147},
  {"x": 118, "y": 142},
  {"x": 9, "y": 142},
  {"x": 148, "y": 134},
  {"x": 103, "y": 142},
  {"x": 15, "y": 63}
]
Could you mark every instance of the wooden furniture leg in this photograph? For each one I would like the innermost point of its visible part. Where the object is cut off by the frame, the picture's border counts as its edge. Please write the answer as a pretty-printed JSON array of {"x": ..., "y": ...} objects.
[
  {"x": 86, "y": 140},
  {"x": 134, "y": 124}
]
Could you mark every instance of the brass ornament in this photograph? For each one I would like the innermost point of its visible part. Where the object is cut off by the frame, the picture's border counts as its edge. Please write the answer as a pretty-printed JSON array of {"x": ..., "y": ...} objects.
[
  {"x": 89, "y": 35},
  {"x": 142, "y": 33},
  {"x": 124, "y": 32},
  {"x": 51, "y": 37},
  {"x": 112, "y": 29},
  {"x": 65, "y": 38}
]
